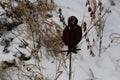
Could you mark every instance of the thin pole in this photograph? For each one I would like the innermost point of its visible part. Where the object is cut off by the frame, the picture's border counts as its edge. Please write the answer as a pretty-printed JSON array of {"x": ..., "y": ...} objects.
[{"x": 70, "y": 66}]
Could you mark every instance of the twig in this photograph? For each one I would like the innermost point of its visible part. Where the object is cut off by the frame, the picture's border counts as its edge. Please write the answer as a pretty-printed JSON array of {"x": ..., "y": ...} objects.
[
  {"x": 101, "y": 36},
  {"x": 95, "y": 23}
]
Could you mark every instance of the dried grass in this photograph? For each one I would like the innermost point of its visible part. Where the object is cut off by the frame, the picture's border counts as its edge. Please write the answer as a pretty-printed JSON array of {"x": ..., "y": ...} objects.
[{"x": 41, "y": 28}]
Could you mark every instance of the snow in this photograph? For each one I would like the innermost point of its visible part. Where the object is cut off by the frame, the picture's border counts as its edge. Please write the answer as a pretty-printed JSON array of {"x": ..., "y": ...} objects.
[{"x": 84, "y": 66}]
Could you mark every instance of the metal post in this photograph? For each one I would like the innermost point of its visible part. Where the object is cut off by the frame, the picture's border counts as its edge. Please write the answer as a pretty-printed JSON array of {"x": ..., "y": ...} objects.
[{"x": 70, "y": 66}]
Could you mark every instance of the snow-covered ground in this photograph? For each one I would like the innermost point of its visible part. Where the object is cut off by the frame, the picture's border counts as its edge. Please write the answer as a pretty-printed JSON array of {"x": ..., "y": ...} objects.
[
  {"x": 106, "y": 67},
  {"x": 84, "y": 66}
]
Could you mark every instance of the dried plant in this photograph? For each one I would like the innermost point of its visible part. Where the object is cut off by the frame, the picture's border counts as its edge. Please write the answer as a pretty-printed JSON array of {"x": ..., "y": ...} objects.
[
  {"x": 112, "y": 2},
  {"x": 98, "y": 17},
  {"x": 43, "y": 30}
]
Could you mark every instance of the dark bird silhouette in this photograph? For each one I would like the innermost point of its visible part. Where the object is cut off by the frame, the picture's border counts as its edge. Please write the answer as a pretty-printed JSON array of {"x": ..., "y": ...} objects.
[{"x": 72, "y": 34}]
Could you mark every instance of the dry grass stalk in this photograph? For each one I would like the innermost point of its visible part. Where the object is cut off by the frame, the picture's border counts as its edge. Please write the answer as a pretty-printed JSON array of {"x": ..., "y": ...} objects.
[
  {"x": 98, "y": 17},
  {"x": 58, "y": 72},
  {"x": 41, "y": 29},
  {"x": 36, "y": 15}
]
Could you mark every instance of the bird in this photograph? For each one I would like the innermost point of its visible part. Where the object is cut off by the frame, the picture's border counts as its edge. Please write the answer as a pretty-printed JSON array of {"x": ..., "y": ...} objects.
[{"x": 72, "y": 34}]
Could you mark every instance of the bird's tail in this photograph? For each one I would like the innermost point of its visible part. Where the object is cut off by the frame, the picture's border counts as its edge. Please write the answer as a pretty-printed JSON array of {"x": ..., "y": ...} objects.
[
  {"x": 73, "y": 50},
  {"x": 68, "y": 53}
]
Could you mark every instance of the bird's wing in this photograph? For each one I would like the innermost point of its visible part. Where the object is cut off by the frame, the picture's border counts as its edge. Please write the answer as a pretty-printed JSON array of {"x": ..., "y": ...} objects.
[{"x": 66, "y": 34}]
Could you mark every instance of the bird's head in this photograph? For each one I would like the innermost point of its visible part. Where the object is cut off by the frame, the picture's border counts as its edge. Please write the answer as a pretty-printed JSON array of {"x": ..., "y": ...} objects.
[{"x": 72, "y": 21}]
